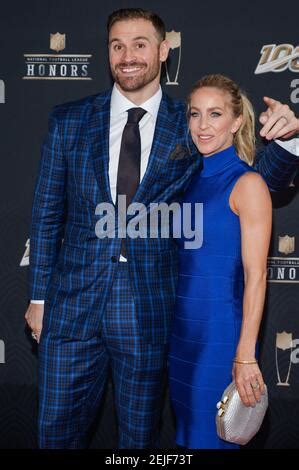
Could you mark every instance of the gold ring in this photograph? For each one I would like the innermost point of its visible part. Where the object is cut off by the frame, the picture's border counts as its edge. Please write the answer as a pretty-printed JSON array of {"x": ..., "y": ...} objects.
[
  {"x": 283, "y": 117},
  {"x": 255, "y": 386}
]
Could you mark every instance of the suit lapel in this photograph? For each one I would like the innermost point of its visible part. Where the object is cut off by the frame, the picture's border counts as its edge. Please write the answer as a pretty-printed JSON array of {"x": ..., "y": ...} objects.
[
  {"x": 98, "y": 141},
  {"x": 165, "y": 129}
]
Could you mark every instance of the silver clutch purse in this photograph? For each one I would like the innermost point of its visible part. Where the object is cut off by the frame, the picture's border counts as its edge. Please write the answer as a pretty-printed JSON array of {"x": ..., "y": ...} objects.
[{"x": 236, "y": 422}]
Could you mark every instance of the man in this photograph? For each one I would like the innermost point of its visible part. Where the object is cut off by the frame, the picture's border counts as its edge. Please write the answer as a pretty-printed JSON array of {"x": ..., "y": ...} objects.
[{"x": 109, "y": 302}]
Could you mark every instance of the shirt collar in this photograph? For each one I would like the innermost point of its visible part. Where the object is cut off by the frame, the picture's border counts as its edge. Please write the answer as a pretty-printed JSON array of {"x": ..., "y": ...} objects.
[{"x": 120, "y": 104}]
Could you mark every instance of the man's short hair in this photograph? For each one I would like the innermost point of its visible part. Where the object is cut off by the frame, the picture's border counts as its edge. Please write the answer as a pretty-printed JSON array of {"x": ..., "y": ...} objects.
[{"x": 135, "y": 14}]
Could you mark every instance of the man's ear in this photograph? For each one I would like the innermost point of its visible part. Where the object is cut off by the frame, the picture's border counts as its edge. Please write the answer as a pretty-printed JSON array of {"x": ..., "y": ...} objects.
[{"x": 164, "y": 50}]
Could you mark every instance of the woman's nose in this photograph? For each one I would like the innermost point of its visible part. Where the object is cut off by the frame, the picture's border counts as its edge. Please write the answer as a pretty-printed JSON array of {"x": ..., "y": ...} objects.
[{"x": 203, "y": 123}]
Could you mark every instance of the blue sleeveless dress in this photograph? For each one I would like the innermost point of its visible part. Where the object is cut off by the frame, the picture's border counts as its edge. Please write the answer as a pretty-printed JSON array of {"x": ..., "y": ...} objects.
[{"x": 208, "y": 310}]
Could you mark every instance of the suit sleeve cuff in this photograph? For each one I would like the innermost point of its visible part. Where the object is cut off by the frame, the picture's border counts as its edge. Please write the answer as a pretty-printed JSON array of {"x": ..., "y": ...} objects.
[{"x": 291, "y": 145}]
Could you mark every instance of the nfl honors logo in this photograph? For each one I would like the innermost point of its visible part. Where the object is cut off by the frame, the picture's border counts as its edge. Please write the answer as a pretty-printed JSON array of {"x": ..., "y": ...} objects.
[
  {"x": 284, "y": 269},
  {"x": 57, "y": 66}
]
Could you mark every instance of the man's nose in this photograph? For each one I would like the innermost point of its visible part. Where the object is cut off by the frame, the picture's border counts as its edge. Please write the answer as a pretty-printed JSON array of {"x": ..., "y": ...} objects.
[{"x": 129, "y": 55}]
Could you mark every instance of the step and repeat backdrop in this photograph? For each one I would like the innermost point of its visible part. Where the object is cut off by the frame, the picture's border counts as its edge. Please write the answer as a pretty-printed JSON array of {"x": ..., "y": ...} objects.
[{"x": 55, "y": 51}]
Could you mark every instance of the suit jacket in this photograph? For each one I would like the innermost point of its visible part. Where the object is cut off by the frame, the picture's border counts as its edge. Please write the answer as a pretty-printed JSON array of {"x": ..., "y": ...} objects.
[{"x": 75, "y": 277}]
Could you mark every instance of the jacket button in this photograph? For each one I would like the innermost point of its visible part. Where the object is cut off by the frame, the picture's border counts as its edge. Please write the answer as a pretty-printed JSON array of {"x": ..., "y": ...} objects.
[{"x": 113, "y": 259}]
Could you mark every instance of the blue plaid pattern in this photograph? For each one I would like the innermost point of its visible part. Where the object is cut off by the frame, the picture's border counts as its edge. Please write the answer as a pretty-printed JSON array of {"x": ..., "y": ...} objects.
[{"x": 72, "y": 376}]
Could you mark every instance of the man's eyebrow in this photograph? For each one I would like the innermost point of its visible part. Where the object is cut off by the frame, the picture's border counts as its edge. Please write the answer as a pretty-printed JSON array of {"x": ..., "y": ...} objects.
[
  {"x": 141, "y": 38},
  {"x": 137, "y": 38}
]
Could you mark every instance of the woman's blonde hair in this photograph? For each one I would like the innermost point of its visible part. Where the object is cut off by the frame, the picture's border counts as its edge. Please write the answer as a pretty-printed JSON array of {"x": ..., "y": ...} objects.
[{"x": 244, "y": 138}]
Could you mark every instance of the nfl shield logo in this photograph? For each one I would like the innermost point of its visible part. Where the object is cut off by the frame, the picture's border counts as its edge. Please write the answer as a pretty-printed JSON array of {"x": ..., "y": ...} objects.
[
  {"x": 286, "y": 244},
  {"x": 57, "y": 42}
]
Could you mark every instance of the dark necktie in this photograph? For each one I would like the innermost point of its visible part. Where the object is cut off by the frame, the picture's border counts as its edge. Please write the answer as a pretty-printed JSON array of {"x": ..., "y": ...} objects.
[{"x": 128, "y": 175}]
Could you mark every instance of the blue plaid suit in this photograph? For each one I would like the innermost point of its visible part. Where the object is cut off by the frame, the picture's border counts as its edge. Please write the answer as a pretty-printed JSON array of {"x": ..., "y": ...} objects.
[{"x": 96, "y": 311}]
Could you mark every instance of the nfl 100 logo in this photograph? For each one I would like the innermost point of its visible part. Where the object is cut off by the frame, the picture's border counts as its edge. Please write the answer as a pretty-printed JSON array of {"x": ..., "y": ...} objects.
[{"x": 278, "y": 58}]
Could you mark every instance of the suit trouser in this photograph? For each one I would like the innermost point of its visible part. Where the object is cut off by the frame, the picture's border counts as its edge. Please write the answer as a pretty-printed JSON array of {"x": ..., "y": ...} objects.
[{"x": 73, "y": 373}]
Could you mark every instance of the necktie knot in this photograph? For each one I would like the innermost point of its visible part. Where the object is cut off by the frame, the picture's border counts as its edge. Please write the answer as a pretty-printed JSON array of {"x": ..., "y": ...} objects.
[{"x": 135, "y": 115}]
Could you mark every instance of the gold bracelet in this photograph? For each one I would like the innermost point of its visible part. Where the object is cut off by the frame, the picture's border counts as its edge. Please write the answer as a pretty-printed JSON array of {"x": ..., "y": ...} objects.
[{"x": 237, "y": 361}]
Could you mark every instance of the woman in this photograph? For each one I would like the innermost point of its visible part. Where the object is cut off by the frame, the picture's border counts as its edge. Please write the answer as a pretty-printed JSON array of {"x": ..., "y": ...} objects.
[{"x": 222, "y": 285}]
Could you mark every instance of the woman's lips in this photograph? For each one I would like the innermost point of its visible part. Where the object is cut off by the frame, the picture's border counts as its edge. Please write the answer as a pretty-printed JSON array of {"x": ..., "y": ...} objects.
[{"x": 204, "y": 138}]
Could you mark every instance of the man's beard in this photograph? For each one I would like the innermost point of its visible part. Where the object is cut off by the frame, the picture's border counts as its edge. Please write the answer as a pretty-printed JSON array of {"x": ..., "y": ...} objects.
[{"x": 136, "y": 83}]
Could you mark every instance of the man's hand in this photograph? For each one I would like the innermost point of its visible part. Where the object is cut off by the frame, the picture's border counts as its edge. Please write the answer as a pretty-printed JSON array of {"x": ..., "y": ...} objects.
[
  {"x": 279, "y": 121},
  {"x": 34, "y": 316}
]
